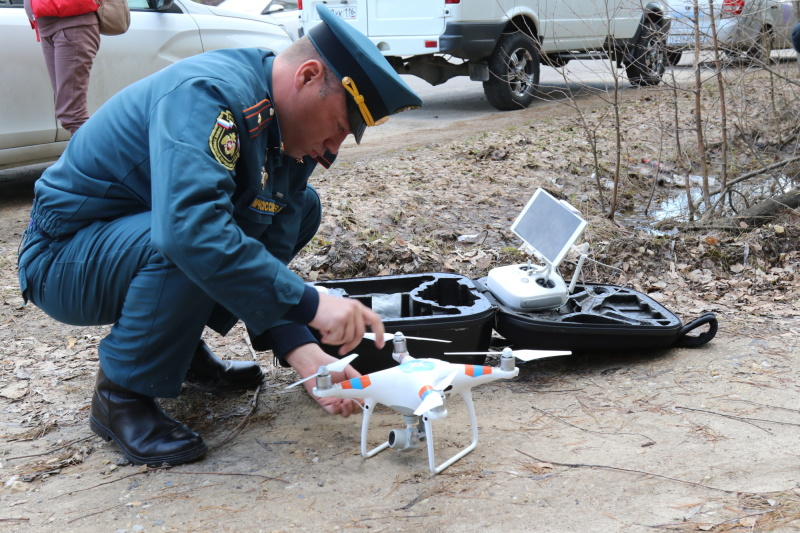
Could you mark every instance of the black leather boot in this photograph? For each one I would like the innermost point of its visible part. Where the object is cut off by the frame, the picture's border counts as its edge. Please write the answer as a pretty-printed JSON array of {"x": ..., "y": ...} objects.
[
  {"x": 140, "y": 427},
  {"x": 210, "y": 374}
]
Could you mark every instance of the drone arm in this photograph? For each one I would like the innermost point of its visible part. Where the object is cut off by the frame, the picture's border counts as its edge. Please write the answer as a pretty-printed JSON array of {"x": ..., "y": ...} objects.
[
  {"x": 344, "y": 389},
  {"x": 335, "y": 391},
  {"x": 475, "y": 375}
]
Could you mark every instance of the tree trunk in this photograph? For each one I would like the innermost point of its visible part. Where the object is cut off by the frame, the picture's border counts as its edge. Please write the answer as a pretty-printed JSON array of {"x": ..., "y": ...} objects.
[{"x": 760, "y": 214}]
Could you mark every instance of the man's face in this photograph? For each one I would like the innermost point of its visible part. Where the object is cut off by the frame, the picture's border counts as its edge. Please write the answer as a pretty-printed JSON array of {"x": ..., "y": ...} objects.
[{"x": 315, "y": 122}]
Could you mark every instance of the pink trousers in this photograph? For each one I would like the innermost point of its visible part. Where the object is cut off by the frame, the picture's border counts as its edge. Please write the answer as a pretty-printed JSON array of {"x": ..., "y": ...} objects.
[{"x": 69, "y": 54}]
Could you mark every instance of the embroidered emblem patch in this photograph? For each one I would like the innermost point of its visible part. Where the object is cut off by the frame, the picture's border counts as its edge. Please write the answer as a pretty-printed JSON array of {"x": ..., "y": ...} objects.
[{"x": 224, "y": 140}]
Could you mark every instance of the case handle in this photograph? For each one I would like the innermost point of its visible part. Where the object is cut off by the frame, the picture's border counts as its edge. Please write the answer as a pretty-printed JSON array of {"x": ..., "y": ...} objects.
[{"x": 686, "y": 341}]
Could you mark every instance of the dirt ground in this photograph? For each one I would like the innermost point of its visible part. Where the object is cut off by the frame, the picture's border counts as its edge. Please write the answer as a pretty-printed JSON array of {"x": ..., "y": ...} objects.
[{"x": 701, "y": 439}]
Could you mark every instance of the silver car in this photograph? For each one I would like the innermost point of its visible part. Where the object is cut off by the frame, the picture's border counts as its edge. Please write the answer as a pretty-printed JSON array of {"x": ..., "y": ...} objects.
[
  {"x": 161, "y": 33},
  {"x": 751, "y": 27},
  {"x": 283, "y": 12}
]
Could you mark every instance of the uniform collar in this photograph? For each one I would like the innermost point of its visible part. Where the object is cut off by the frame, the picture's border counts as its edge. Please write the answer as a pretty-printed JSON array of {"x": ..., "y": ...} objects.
[{"x": 274, "y": 138}]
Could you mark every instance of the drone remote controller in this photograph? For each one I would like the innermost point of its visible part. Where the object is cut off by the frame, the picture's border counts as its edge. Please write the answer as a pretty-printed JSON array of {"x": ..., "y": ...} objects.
[
  {"x": 527, "y": 287},
  {"x": 548, "y": 227}
]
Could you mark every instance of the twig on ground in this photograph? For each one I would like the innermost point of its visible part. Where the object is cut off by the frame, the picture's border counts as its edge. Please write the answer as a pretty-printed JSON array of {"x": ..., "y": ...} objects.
[
  {"x": 245, "y": 474},
  {"x": 249, "y": 345},
  {"x": 48, "y": 452},
  {"x": 631, "y": 470},
  {"x": 745, "y": 419},
  {"x": 70, "y": 493},
  {"x": 764, "y": 405},
  {"x": 651, "y": 441},
  {"x": 714, "y": 526},
  {"x": 93, "y": 514},
  {"x": 168, "y": 468},
  {"x": 235, "y": 431}
]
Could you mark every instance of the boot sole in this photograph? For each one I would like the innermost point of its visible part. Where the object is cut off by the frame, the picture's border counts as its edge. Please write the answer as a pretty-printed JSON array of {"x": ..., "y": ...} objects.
[{"x": 175, "y": 459}]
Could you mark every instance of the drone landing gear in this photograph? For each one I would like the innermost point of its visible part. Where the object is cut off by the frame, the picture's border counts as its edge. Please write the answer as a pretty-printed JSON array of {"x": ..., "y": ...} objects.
[{"x": 408, "y": 438}]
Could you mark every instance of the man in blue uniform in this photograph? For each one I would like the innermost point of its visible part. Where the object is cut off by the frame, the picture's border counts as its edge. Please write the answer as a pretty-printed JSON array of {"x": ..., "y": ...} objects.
[{"x": 180, "y": 203}]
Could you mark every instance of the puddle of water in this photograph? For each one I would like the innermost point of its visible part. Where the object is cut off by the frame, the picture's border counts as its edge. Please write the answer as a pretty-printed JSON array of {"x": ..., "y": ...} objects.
[{"x": 674, "y": 206}]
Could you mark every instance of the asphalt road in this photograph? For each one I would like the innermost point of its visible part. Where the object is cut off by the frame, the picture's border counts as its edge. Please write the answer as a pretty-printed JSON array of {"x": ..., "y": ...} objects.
[{"x": 460, "y": 99}]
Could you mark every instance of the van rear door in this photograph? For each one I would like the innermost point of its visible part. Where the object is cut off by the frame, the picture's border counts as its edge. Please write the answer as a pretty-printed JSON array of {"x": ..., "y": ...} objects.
[
  {"x": 406, "y": 18},
  {"x": 354, "y": 12}
]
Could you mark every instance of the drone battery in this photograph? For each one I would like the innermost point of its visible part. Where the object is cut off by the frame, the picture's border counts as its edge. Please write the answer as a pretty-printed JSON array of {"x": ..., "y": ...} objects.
[{"x": 447, "y": 307}]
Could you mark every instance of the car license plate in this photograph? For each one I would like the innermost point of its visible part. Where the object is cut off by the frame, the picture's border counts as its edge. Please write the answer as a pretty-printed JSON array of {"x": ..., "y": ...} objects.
[
  {"x": 344, "y": 11},
  {"x": 680, "y": 39}
]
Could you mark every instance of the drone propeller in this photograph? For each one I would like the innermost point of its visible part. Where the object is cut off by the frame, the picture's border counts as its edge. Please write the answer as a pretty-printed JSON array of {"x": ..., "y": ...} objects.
[
  {"x": 337, "y": 366},
  {"x": 434, "y": 399},
  {"x": 523, "y": 355},
  {"x": 390, "y": 336}
]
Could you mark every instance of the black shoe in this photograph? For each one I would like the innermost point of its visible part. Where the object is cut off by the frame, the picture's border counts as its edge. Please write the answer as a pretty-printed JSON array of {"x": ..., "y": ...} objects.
[
  {"x": 140, "y": 427},
  {"x": 208, "y": 373}
]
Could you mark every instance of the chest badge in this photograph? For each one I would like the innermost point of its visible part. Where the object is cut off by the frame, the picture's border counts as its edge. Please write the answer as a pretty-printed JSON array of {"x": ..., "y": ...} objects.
[
  {"x": 224, "y": 140},
  {"x": 264, "y": 177}
]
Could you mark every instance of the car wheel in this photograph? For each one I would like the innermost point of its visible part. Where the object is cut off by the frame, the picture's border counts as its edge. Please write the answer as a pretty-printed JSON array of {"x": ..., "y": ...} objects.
[
  {"x": 673, "y": 57},
  {"x": 761, "y": 50},
  {"x": 513, "y": 72},
  {"x": 647, "y": 60}
]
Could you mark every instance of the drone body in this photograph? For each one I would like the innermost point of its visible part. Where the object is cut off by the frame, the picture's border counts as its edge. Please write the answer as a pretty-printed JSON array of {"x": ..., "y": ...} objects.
[
  {"x": 404, "y": 388},
  {"x": 416, "y": 389}
]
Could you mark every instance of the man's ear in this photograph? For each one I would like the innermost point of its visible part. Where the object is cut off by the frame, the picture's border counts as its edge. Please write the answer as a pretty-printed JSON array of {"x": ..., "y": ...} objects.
[{"x": 309, "y": 73}]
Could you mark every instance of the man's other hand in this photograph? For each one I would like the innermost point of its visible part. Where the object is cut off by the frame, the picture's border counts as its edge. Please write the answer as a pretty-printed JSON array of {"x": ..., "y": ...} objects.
[
  {"x": 306, "y": 360},
  {"x": 343, "y": 321}
]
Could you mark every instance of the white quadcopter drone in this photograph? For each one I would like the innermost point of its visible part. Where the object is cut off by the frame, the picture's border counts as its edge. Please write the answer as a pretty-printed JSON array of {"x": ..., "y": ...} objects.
[{"x": 418, "y": 388}]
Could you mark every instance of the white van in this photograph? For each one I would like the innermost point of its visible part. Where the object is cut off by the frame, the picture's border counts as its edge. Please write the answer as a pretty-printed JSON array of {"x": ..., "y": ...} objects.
[{"x": 503, "y": 42}]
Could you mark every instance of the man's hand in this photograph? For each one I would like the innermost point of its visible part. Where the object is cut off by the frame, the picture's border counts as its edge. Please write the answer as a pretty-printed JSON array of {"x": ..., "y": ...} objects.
[
  {"x": 306, "y": 360},
  {"x": 344, "y": 321}
]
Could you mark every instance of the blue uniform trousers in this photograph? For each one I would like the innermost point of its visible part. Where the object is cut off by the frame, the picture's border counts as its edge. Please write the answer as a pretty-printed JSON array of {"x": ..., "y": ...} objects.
[
  {"x": 796, "y": 37},
  {"x": 108, "y": 273}
]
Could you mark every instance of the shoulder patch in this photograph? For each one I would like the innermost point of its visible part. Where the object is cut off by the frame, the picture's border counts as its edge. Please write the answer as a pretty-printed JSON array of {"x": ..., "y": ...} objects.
[{"x": 224, "y": 140}]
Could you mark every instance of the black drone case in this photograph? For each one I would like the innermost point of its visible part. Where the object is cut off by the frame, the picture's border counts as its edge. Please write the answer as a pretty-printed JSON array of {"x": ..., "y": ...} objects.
[
  {"x": 438, "y": 306},
  {"x": 596, "y": 318}
]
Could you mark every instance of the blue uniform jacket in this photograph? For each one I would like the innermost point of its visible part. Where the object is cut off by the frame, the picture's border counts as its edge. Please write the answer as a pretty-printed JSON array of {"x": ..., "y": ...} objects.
[{"x": 199, "y": 146}]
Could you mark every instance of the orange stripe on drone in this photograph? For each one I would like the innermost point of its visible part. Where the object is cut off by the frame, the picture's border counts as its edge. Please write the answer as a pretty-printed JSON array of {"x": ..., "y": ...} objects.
[
  {"x": 475, "y": 371},
  {"x": 357, "y": 383},
  {"x": 424, "y": 390}
]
